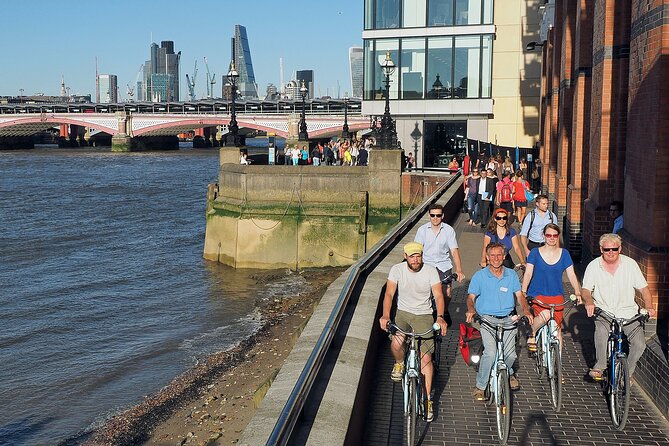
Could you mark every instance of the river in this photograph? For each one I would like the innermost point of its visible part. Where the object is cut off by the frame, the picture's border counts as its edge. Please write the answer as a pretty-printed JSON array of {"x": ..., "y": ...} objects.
[{"x": 104, "y": 295}]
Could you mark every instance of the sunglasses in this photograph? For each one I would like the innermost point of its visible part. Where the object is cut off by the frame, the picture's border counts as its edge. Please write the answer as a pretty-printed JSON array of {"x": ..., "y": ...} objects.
[
  {"x": 436, "y": 215},
  {"x": 501, "y": 218},
  {"x": 611, "y": 249},
  {"x": 551, "y": 235}
]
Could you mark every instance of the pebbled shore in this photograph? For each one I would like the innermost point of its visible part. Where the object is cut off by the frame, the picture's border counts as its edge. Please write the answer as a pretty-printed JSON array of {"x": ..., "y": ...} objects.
[{"x": 212, "y": 402}]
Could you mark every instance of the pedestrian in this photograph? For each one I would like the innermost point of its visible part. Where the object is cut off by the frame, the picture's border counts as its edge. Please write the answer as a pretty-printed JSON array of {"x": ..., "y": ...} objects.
[
  {"x": 532, "y": 230},
  {"x": 484, "y": 194},
  {"x": 316, "y": 156},
  {"x": 363, "y": 157},
  {"x": 287, "y": 155},
  {"x": 616, "y": 213},
  {"x": 409, "y": 162},
  {"x": 470, "y": 193},
  {"x": 499, "y": 230},
  {"x": 520, "y": 187},
  {"x": 504, "y": 196}
]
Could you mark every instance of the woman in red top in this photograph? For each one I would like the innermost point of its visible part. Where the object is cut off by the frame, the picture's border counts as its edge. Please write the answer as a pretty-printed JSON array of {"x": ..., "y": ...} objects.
[{"x": 519, "y": 198}]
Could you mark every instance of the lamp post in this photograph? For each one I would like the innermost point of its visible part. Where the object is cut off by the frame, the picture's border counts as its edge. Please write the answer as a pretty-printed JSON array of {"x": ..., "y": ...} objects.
[
  {"x": 416, "y": 135},
  {"x": 388, "y": 134},
  {"x": 302, "y": 135},
  {"x": 232, "y": 138},
  {"x": 345, "y": 134}
]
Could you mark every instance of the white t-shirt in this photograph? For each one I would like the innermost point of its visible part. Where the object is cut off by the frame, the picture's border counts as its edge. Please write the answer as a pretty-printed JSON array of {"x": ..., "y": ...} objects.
[
  {"x": 615, "y": 293},
  {"x": 414, "y": 288}
]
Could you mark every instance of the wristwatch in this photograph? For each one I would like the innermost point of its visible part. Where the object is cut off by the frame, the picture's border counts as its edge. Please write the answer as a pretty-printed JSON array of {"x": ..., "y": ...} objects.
[{"x": 440, "y": 316}]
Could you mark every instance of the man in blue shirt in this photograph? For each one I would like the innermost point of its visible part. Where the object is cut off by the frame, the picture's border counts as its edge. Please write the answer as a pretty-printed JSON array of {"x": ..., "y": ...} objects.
[{"x": 491, "y": 294}]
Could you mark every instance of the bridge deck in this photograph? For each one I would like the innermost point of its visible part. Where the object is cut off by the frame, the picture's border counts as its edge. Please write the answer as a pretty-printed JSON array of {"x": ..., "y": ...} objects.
[{"x": 583, "y": 420}]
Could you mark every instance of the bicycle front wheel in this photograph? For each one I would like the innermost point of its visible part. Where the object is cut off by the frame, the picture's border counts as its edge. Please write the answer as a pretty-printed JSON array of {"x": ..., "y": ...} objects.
[
  {"x": 619, "y": 397},
  {"x": 503, "y": 406},
  {"x": 539, "y": 358},
  {"x": 555, "y": 378},
  {"x": 411, "y": 411}
]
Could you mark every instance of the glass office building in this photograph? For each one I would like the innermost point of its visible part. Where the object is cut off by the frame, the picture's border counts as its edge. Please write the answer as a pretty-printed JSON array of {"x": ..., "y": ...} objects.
[
  {"x": 460, "y": 70},
  {"x": 355, "y": 58},
  {"x": 241, "y": 54},
  {"x": 107, "y": 88}
]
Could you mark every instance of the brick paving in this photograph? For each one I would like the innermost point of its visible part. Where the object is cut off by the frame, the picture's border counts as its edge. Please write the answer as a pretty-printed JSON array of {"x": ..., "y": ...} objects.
[{"x": 584, "y": 417}]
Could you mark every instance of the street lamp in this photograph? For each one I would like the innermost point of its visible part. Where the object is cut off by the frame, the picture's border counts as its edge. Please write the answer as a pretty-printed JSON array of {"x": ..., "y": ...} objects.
[
  {"x": 437, "y": 86},
  {"x": 232, "y": 138},
  {"x": 531, "y": 46},
  {"x": 345, "y": 134},
  {"x": 302, "y": 135},
  {"x": 416, "y": 135},
  {"x": 388, "y": 134}
]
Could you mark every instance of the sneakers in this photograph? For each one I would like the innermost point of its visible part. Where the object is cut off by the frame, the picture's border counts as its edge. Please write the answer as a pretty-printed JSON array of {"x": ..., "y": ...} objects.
[
  {"x": 398, "y": 372},
  {"x": 478, "y": 394},
  {"x": 513, "y": 381},
  {"x": 429, "y": 412}
]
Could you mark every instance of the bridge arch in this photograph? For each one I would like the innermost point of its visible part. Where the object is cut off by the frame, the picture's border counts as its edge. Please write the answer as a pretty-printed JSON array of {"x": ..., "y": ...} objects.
[
  {"x": 190, "y": 124},
  {"x": 30, "y": 125}
]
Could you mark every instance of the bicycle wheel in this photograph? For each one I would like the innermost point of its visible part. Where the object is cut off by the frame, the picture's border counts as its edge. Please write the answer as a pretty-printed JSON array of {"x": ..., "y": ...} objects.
[
  {"x": 503, "y": 405},
  {"x": 555, "y": 378},
  {"x": 411, "y": 411},
  {"x": 539, "y": 365},
  {"x": 619, "y": 398}
]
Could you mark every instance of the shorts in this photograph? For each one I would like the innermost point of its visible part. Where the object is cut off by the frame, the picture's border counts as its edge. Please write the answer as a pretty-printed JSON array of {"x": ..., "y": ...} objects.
[
  {"x": 521, "y": 204},
  {"x": 537, "y": 308},
  {"x": 419, "y": 323}
]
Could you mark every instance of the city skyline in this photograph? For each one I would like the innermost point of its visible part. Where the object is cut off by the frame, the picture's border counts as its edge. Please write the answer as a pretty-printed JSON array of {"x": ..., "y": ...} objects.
[{"x": 60, "y": 44}]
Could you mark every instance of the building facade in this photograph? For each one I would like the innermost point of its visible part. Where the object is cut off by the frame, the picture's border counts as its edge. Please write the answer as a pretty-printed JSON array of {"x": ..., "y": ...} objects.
[
  {"x": 461, "y": 72},
  {"x": 107, "y": 88},
  {"x": 306, "y": 76},
  {"x": 241, "y": 54},
  {"x": 160, "y": 82},
  {"x": 355, "y": 60}
]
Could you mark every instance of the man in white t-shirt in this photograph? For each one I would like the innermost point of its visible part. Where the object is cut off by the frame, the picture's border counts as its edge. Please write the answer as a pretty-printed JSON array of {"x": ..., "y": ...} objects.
[
  {"x": 415, "y": 283},
  {"x": 609, "y": 283}
]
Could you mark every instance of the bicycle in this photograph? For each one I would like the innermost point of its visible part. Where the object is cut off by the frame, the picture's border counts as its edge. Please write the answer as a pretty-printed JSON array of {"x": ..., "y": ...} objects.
[
  {"x": 412, "y": 381},
  {"x": 498, "y": 390},
  {"x": 436, "y": 355},
  {"x": 615, "y": 381},
  {"x": 548, "y": 357}
]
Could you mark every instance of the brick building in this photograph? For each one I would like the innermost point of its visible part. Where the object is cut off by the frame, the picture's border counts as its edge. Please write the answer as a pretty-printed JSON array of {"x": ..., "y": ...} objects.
[{"x": 605, "y": 134}]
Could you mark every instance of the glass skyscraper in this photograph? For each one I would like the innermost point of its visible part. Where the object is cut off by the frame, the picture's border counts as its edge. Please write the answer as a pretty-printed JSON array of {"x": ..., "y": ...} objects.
[
  {"x": 161, "y": 74},
  {"x": 108, "y": 88},
  {"x": 241, "y": 54},
  {"x": 355, "y": 57}
]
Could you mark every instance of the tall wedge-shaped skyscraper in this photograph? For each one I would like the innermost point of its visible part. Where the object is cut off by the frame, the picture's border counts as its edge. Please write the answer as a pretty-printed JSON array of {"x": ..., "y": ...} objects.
[{"x": 241, "y": 54}]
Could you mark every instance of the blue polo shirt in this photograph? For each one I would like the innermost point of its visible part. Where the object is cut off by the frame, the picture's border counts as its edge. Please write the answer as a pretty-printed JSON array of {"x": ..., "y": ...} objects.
[{"x": 494, "y": 295}]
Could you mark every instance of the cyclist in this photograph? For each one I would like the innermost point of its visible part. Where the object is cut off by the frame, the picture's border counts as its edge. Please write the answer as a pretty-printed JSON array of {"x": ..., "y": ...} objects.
[
  {"x": 543, "y": 280},
  {"x": 609, "y": 283},
  {"x": 491, "y": 294},
  {"x": 441, "y": 249},
  {"x": 415, "y": 283}
]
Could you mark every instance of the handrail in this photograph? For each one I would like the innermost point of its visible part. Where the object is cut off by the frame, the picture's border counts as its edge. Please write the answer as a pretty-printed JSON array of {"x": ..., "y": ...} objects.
[{"x": 288, "y": 416}]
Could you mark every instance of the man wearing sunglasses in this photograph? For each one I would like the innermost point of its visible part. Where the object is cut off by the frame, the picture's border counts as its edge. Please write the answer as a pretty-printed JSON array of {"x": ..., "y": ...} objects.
[
  {"x": 440, "y": 248},
  {"x": 609, "y": 283}
]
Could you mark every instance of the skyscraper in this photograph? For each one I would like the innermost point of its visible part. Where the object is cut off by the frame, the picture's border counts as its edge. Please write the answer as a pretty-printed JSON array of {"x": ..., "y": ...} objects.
[
  {"x": 355, "y": 64},
  {"x": 107, "y": 88},
  {"x": 161, "y": 74},
  {"x": 308, "y": 77},
  {"x": 241, "y": 54}
]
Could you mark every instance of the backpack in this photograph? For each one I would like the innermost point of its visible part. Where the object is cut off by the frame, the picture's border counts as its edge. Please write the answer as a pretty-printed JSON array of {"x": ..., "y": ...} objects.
[
  {"x": 471, "y": 345},
  {"x": 505, "y": 193},
  {"x": 534, "y": 211}
]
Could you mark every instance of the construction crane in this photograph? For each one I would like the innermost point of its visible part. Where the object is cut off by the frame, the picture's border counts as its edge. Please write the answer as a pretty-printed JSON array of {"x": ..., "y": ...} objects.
[
  {"x": 211, "y": 80},
  {"x": 191, "y": 83},
  {"x": 131, "y": 90}
]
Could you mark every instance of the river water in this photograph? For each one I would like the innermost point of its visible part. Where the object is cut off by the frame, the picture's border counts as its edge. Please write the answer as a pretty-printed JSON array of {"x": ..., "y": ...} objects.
[{"x": 104, "y": 295}]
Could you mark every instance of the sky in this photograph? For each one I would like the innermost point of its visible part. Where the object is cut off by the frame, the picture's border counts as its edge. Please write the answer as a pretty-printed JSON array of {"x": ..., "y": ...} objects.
[{"x": 45, "y": 40}]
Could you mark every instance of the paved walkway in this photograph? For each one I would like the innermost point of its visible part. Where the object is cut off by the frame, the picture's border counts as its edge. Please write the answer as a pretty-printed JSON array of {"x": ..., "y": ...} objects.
[{"x": 583, "y": 420}]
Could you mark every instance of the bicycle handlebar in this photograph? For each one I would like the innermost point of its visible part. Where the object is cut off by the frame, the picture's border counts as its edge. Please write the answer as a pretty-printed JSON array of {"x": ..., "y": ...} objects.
[
  {"x": 511, "y": 326},
  {"x": 449, "y": 279},
  {"x": 641, "y": 316},
  {"x": 393, "y": 328}
]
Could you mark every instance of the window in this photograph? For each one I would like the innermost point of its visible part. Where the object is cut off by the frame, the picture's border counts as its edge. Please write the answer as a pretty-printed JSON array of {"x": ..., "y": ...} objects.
[
  {"x": 440, "y": 67},
  {"x": 467, "y": 12},
  {"x": 387, "y": 14},
  {"x": 413, "y": 13},
  {"x": 369, "y": 14},
  {"x": 444, "y": 140},
  {"x": 487, "y": 12},
  {"x": 466, "y": 76},
  {"x": 440, "y": 13},
  {"x": 382, "y": 47},
  {"x": 368, "y": 67},
  {"x": 486, "y": 67},
  {"x": 413, "y": 68}
]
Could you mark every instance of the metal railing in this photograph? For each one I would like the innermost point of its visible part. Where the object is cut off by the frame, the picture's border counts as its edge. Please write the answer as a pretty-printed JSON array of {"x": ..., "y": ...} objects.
[{"x": 289, "y": 414}]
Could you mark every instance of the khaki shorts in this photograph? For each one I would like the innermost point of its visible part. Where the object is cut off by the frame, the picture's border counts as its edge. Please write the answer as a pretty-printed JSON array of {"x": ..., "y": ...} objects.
[{"x": 419, "y": 323}]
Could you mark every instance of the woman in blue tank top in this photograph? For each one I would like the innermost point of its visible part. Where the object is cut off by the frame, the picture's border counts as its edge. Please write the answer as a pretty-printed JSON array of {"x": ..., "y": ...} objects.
[{"x": 498, "y": 230}]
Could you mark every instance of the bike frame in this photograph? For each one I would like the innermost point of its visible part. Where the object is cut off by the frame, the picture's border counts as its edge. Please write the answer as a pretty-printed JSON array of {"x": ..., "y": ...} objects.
[
  {"x": 548, "y": 333},
  {"x": 499, "y": 363}
]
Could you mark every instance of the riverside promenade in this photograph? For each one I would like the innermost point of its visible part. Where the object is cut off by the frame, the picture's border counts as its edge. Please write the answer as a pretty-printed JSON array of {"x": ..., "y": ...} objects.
[{"x": 358, "y": 404}]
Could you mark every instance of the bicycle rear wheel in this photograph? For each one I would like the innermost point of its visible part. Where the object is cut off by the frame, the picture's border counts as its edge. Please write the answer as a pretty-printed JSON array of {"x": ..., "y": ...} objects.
[
  {"x": 503, "y": 406},
  {"x": 411, "y": 412},
  {"x": 555, "y": 378},
  {"x": 619, "y": 397}
]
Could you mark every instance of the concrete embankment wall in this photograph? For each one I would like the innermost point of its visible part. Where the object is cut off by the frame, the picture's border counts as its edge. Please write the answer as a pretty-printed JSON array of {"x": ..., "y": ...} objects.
[{"x": 301, "y": 216}]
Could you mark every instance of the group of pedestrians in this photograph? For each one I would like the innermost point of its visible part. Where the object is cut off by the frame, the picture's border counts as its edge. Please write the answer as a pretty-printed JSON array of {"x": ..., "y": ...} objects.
[
  {"x": 495, "y": 292},
  {"x": 333, "y": 153}
]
